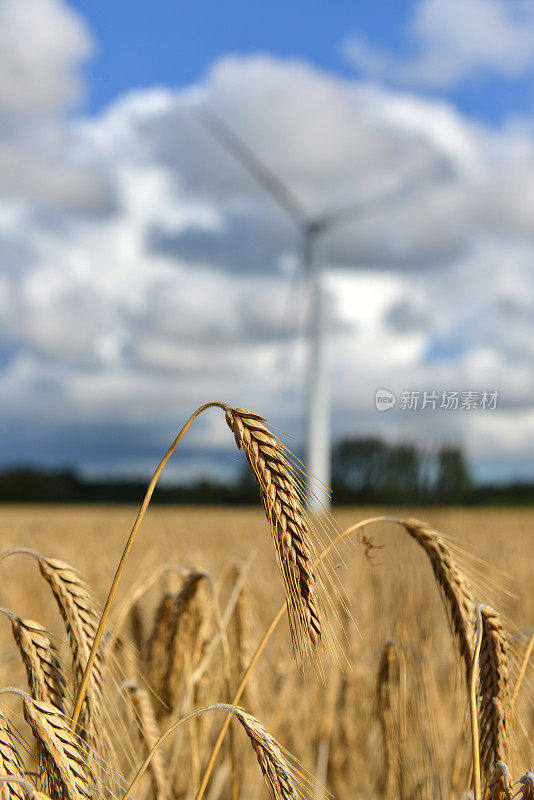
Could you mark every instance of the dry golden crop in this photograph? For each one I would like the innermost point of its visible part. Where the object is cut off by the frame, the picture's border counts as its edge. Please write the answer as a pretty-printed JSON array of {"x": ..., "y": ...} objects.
[{"x": 412, "y": 676}]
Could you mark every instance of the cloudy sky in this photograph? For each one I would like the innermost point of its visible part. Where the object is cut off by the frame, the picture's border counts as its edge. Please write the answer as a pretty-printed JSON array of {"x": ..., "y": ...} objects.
[{"x": 142, "y": 272}]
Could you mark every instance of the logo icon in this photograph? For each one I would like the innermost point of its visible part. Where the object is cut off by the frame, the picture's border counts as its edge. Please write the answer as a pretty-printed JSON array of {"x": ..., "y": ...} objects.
[{"x": 384, "y": 399}]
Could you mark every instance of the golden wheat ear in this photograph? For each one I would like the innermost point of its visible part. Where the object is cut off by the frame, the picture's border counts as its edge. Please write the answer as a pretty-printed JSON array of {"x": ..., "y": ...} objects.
[
  {"x": 390, "y": 713},
  {"x": 11, "y": 763},
  {"x": 273, "y": 764},
  {"x": 289, "y": 524},
  {"x": 45, "y": 675},
  {"x": 80, "y": 617},
  {"x": 62, "y": 757},
  {"x": 454, "y": 587},
  {"x": 183, "y": 626},
  {"x": 284, "y": 779},
  {"x": 493, "y": 691}
]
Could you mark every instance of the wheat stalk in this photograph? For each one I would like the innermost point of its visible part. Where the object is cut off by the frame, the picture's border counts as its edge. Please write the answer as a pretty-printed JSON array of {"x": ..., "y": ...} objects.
[
  {"x": 493, "y": 691},
  {"x": 288, "y": 522},
  {"x": 289, "y": 525}
]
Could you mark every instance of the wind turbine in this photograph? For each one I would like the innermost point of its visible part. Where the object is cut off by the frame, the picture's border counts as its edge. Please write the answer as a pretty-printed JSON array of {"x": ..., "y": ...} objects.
[{"x": 311, "y": 228}]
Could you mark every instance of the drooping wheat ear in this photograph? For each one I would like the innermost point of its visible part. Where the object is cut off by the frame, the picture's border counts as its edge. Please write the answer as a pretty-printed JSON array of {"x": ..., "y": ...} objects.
[
  {"x": 79, "y": 614},
  {"x": 183, "y": 624},
  {"x": 288, "y": 522},
  {"x": 527, "y": 786},
  {"x": 45, "y": 676},
  {"x": 500, "y": 784},
  {"x": 149, "y": 734},
  {"x": 493, "y": 689},
  {"x": 156, "y": 656},
  {"x": 10, "y": 763},
  {"x": 60, "y": 752},
  {"x": 454, "y": 587},
  {"x": 273, "y": 764},
  {"x": 280, "y": 775},
  {"x": 390, "y": 712}
]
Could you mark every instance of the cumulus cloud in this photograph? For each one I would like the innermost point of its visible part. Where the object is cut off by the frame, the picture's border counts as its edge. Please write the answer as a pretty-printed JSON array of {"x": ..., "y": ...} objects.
[
  {"x": 454, "y": 40},
  {"x": 143, "y": 272},
  {"x": 42, "y": 43}
]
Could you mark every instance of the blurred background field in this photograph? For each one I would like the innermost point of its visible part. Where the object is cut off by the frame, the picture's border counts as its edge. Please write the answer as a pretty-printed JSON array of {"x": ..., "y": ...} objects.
[
  {"x": 333, "y": 728},
  {"x": 92, "y": 538}
]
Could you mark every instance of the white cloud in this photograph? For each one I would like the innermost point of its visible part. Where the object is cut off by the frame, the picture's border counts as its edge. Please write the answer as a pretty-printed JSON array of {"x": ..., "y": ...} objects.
[
  {"x": 42, "y": 43},
  {"x": 144, "y": 273},
  {"x": 455, "y": 39}
]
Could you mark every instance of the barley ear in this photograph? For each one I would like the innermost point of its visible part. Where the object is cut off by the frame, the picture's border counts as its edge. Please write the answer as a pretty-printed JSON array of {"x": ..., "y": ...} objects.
[
  {"x": 289, "y": 525},
  {"x": 493, "y": 691},
  {"x": 63, "y": 760},
  {"x": 183, "y": 625},
  {"x": 10, "y": 763},
  {"x": 45, "y": 676},
  {"x": 390, "y": 703},
  {"x": 273, "y": 764},
  {"x": 79, "y": 614},
  {"x": 454, "y": 587},
  {"x": 156, "y": 650}
]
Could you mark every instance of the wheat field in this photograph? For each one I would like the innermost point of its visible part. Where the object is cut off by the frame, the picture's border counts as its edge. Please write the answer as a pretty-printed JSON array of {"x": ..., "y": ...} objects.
[{"x": 400, "y": 668}]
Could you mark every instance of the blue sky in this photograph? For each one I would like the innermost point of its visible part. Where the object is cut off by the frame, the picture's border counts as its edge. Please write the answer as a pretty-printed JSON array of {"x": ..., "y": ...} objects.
[
  {"x": 142, "y": 272},
  {"x": 169, "y": 43},
  {"x": 166, "y": 43}
]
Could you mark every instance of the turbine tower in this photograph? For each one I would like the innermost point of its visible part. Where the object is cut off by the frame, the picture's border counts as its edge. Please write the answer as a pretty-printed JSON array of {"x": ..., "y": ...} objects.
[{"x": 311, "y": 228}]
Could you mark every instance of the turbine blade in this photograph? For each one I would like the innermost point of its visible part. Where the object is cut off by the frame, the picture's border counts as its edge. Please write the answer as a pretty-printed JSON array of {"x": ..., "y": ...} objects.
[{"x": 263, "y": 175}]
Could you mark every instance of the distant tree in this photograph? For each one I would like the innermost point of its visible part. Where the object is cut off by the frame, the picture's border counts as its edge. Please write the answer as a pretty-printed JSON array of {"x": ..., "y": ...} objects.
[
  {"x": 359, "y": 466},
  {"x": 403, "y": 473},
  {"x": 453, "y": 482},
  {"x": 371, "y": 470}
]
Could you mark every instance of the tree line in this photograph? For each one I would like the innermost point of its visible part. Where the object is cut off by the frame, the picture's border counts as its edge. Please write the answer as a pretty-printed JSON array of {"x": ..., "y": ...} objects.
[{"x": 364, "y": 470}]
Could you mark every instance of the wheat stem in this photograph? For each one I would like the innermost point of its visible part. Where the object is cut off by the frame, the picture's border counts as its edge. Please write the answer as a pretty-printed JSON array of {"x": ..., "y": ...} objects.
[
  {"x": 473, "y": 710},
  {"x": 124, "y": 558}
]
